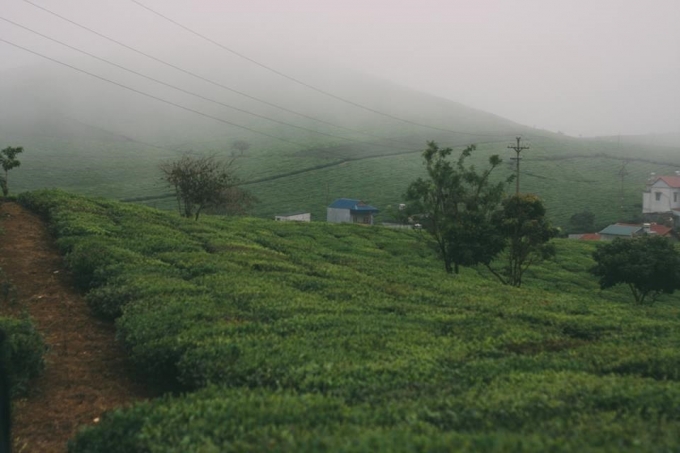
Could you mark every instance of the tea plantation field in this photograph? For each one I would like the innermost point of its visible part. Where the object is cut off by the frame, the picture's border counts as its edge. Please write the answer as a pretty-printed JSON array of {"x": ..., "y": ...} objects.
[{"x": 315, "y": 337}]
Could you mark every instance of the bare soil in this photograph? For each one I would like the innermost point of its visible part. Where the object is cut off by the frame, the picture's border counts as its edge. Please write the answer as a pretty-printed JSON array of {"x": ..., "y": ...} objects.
[{"x": 85, "y": 369}]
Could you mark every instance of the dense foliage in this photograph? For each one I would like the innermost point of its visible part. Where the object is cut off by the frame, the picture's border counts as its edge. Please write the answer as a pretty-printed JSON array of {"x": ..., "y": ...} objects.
[
  {"x": 524, "y": 223},
  {"x": 316, "y": 337},
  {"x": 23, "y": 352},
  {"x": 456, "y": 204},
  {"x": 648, "y": 265},
  {"x": 582, "y": 222}
]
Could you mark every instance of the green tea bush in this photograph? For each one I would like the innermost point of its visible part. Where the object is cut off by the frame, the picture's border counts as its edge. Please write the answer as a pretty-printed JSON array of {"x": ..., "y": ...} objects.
[
  {"x": 24, "y": 349},
  {"x": 141, "y": 282},
  {"x": 253, "y": 421}
]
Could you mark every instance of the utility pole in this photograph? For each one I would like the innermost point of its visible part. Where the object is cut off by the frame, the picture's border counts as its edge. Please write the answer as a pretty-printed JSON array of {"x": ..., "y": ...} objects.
[
  {"x": 518, "y": 149},
  {"x": 622, "y": 174}
]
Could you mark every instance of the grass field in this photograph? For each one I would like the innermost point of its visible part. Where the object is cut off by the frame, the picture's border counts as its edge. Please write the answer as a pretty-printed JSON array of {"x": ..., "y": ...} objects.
[{"x": 319, "y": 337}]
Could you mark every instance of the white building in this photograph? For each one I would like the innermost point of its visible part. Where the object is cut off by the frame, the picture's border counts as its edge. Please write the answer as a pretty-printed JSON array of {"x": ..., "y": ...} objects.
[
  {"x": 662, "y": 194},
  {"x": 294, "y": 217},
  {"x": 346, "y": 210}
]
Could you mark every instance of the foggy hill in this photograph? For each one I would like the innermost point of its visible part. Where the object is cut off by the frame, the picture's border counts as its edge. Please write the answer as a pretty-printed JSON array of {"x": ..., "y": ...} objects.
[
  {"x": 52, "y": 101},
  {"x": 670, "y": 140},
  {"x": 93, "y": 137}
]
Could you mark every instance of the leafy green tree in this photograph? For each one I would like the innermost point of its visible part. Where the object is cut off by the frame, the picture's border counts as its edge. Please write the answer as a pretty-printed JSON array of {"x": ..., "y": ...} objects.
[
  {"x": 649, "y": 265},
  {"x": 8, "y": 161},
  {"x": 455, "y": 205},
  {"x": 203, "y": 183},
  {"x": 582, "y": 222},
  {"x": 528, "y": 233},
  {"x": 398, "y": 214}
]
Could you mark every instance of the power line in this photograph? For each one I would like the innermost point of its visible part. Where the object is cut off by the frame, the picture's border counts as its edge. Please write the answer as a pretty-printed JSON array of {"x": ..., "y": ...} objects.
[
  {"x": 150, "y": 95},
  {"x": 205, "y": 79},
  {"x": 178, "y": 88},
  {"x": 119, "y": 135},
  {"x": 305, "y": 84}
]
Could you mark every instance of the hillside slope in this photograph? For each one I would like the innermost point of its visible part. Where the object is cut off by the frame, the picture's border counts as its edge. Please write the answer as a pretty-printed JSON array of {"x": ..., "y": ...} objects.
[{"x": 319, "y": 337}]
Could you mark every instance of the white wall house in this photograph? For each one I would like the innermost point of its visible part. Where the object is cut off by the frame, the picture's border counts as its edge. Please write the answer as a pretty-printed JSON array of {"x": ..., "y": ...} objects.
[
  {"x": 294, "y": 217},
  {"x": 662, "y": 194},
  {"x": 346, "y": 210}
]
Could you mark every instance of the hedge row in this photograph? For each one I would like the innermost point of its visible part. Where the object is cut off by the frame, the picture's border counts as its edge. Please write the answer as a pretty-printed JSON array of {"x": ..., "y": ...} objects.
[{"x": 618, "y": 415}]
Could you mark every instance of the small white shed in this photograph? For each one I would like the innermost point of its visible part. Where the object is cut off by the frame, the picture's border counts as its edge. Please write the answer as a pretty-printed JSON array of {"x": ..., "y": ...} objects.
[{"x": 294, "y": 217}]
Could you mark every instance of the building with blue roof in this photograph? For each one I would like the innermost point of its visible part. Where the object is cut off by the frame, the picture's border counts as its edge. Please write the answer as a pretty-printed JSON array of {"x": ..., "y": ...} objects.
[{"x": 347, "y": 210}]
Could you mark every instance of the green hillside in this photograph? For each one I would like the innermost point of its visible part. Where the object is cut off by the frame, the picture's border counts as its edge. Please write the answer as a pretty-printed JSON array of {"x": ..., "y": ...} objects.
[
  {"x": 319, "y": 337},
  {"x": 95, "y": 139}
]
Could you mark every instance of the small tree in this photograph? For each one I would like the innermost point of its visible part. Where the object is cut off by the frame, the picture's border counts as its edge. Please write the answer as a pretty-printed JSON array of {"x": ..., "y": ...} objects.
[
  {"x": 582, "y": 222},
  {"x": 649, "y": 265},
  {"x": 8, "y": 161},
  {"x": 240, "y": 147},
  {"x": 455, "y": 204},
  {"x": 528, "y": 233},
  {"x": 202, "y": 183}
]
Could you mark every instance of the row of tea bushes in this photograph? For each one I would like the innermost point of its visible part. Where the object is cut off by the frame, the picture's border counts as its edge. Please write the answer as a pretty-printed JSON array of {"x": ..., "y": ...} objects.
[{"x": 556, "y": 412}]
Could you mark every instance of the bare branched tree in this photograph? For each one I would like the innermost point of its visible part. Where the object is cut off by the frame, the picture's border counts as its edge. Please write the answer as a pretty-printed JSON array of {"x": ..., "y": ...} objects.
[{"x": 205, "y": 183}]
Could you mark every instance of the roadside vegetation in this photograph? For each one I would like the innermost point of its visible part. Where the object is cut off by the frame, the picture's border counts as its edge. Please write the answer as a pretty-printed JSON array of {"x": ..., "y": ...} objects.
[
  {"x": 21, "y": 346},
  {"x": 317, "y": 337}
]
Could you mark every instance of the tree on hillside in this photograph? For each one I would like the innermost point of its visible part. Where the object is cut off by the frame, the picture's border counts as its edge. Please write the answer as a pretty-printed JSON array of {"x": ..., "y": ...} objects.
[
  {"x": 649, "y": 265},
  {"x": 240, "y": 147},
  {"x": 455, "y": 204},
  {"x": 582, "y": 222},
  {"x": 528, "y": 232},
  {"x": 8, "y": 161},
  {"x": 203, "y": 183}
]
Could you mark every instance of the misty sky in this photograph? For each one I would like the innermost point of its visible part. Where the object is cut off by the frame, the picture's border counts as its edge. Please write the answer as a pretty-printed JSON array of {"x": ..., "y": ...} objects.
[{"x": 585, "y": 67}]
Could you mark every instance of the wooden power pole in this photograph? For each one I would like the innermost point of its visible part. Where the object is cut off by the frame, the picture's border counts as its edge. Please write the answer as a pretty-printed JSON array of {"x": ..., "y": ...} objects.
[{"x": 518, "y": 149}]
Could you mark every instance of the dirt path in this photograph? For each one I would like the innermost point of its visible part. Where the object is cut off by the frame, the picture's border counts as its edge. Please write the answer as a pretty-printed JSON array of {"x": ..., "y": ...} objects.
[{"x": 85, "y": 372}]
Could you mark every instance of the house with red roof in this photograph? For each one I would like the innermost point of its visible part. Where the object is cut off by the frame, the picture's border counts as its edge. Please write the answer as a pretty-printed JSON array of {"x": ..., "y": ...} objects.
[
  {"x": 628, "y": 231},
  {"x": 631, "y": 230},
  {"x": 661, "y": 195}
]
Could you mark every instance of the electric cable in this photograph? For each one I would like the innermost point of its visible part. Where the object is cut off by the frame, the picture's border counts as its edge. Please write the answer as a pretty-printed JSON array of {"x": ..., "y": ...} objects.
[
  {"x": 205, "y": 98},
  {"x": 200, "y": 77},
  {"x": 151, "y": 95},
  {"x": 302, "y": 83}
]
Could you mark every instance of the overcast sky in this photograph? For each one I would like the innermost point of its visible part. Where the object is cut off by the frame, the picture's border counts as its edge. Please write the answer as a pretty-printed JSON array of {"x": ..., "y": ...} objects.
[{"x": 584, "y": 67}]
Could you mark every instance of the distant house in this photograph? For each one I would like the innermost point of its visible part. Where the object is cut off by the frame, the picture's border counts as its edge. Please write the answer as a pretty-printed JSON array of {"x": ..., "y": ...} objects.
[
  {"x": 628, "y": 230},
  {"x": 662, "y": 194},
  {"x": 294, "y": 217},
  {"x": 346, "y": 210},
  {"x": 618, "y": 230}
]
